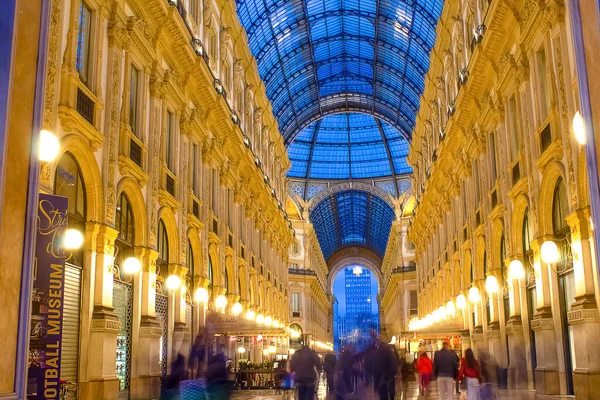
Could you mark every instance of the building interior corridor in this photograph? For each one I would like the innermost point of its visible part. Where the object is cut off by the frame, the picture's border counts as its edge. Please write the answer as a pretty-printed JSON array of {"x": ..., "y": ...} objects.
[{"x": 186, "y": 183}]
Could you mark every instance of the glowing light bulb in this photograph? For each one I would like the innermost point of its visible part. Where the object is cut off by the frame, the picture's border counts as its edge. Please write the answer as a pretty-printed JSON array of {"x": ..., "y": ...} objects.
[
  {"x": 461, "y": 301},
  {"x": 474, "y": 295},
  {"x": 260, "y": 319},
  {"x": 450, "y": 309},
  {"x": 579, "y": 128},
  {"x": 73, "y": 239},
  {"x": 132, "y": 266},
  {"x": 173, "y": 282},
  {"x": 201, "y": 295},
  {"x": 250, "y": 315},
  {"x": 516, "y": 270},
  {"x": 221, "y": 301},
  {"x": 549, "y": 252},
  {"x": 268, "y": 320},
  {"x": 49, "y": 146},
  {"x": 491, "y": 284},
  {"x": 236, "y": 308},
  {"x": 241, "y": 349}
]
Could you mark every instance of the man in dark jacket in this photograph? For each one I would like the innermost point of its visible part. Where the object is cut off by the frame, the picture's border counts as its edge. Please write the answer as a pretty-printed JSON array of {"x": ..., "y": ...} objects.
[
  {"x": 445, "y": 370},
  {"x": 306, "y": 364},
  {"x": 329, "y": 364}
]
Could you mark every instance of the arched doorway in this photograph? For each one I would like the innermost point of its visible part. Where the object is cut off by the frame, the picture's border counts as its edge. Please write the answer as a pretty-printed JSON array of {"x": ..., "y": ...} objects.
[
  {"x": 68, "y": 182},
  {"x": 123, "y": 291},
  {"x": 355, "y": 288},
  {"x": 162, "y": 294},
  {"x": 566, "y": 276}
]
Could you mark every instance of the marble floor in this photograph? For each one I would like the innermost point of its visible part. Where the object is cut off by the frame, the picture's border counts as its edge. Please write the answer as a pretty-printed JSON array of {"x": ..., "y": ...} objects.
[{"x": 411, "y": 392}]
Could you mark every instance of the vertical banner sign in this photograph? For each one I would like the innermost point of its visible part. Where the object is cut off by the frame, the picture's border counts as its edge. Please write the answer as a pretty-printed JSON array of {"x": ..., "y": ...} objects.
[{"x": 45, "y": 343}]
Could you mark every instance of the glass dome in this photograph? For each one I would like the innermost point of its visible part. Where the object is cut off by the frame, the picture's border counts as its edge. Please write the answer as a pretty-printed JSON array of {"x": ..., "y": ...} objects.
[{"x": 348, "y": 146}]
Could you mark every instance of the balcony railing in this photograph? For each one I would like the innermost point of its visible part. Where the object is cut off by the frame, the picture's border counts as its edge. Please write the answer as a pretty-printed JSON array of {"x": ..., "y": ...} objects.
[
  {"x": 403, "y": 269},
  {"x": 301, "y": 271}
]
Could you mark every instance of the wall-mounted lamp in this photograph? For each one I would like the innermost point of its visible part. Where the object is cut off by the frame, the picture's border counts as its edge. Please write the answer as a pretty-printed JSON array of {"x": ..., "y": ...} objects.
[
  {"x": 49, "y": 146},
  {"x": 201, "y": 295},
  {"x": 173, "y": 282},
  {"x": 474, "y": 295},
  {"x": 549, "y": 252}
]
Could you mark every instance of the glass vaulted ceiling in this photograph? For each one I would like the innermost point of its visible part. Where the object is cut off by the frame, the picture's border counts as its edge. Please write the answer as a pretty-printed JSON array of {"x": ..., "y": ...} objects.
[
  {"x": 348, "y": 146},
  {"x": 352, "y": 217},
  {"x": 319, "y": 57}
]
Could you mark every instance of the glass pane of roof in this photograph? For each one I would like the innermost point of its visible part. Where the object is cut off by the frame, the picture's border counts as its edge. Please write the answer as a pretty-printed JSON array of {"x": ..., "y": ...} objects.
[
  {"x": 352, "y": 217},
  {"x": 319, "y": 57},
  {"x": 348, "y": 145}
]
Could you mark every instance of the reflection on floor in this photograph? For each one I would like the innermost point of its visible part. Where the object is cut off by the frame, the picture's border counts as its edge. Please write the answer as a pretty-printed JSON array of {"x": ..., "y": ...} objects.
[{"x": 411, "y": 392}]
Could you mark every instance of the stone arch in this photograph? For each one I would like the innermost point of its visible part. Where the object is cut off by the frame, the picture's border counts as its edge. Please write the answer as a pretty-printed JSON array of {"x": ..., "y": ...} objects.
[
  {"x": 131, "y": 189},
  {"x": 358, "y": 186},
  {"x": 552, "y": 173},
  {"x": 166, "y": 215},
  {"x": 92, "y": 180},
  {"x": 244, "y": 283},
  {"x": 261, "y": 295},
  {"x": 466, "y": 272},
  {"x": 231, "y": 283},
  {"x": 252, "y": 289},
  {"x": 213, "y": 255},
  {"x": 343, "y": 263},
  {"x": 520, "y": 209},
  {"x": 582, "y": 180},
  {"x": 497, "y": 234},
  {"x": 457, "y": 277},
  {"x": 193, "y": 236},
  {"x": 480, "y": 257}
]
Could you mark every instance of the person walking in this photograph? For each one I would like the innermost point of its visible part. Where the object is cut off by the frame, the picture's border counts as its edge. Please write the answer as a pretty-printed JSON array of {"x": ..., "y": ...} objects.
[
  {"x": 304, "y": 363},
  {"x": 471, "y": 372},
  {"x": 329, "y": 364},
  {"x": 425, "y": 369},
  {"x": 445, "y": 370}
]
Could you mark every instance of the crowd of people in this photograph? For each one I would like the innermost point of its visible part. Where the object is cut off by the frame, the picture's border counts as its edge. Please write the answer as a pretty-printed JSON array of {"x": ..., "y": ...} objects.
[{"x": 377, "y": 369}]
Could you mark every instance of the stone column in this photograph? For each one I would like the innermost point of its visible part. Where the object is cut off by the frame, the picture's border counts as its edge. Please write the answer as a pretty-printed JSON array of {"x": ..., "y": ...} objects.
[
  {"x": 583, "y": 316},
  {"x": 180, "y": 342},
  {"x": 518, "y": 373},
  {"x": 103, "y": 382},
  {"x": 146, "y": 382},
  {"x": 547, "y": 379}
]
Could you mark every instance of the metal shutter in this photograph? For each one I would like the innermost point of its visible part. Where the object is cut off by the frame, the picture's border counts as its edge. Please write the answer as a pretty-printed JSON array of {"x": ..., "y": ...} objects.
[
  {"x": 71, "y": 308},
  {"x": 163, "y": 319},
  {"x": 188, "y": 316}
]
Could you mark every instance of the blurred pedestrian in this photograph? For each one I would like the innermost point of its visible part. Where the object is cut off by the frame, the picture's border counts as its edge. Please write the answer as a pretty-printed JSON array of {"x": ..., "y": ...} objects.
[
  {"x": 445, "y": 370},
  {"x": 172, "y": 382},
  {"x": 304, "y": 364},
  {"x": 217, "y": 384},
  {"x": 384, "y": 370},
  {"x": 425, "y": 369},
  {"x": 471, "y": 373},
  {"x": 345, "y": 364},
  {"x": 197, "y": 357},
  {"x": 329, "y": 364}
]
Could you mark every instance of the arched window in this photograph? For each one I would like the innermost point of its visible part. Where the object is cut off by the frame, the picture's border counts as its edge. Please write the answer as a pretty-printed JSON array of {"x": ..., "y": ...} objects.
[
  {"x": 189, "y": 260},
  {"x": 560, "y": 208},
  {"x": 525, "y": 234},
  {"x": 210, "y": 271},
  {"x": 69, "y": 183},
  {"x": 226, "y": 283},
  {"x": 484, "y": 264},
  {"x": 163, "y": 245},
  {"x": 125, "y": 225}
]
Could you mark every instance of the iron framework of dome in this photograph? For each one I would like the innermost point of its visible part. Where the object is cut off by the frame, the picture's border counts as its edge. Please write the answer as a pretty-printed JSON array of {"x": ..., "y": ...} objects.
[
  {"x": 318, "y": 57},
  {"x": 350, "y": 218},
  {"x": 348, "y": 146}
]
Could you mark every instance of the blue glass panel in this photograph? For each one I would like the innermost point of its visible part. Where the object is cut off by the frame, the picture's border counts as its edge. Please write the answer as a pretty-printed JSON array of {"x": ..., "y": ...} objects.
[
  {"x": 350, "y": 218},
  {"x": 333, "y": 41}
]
